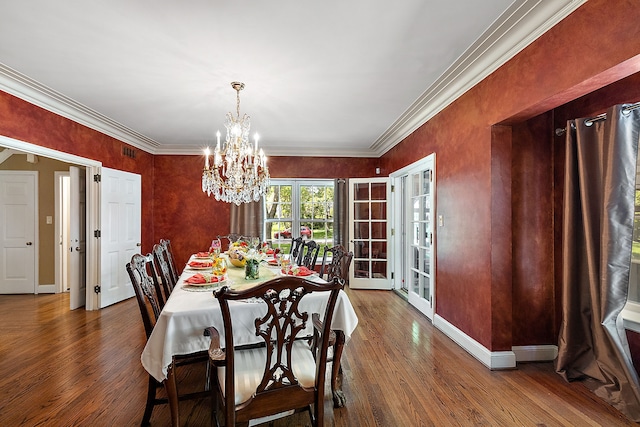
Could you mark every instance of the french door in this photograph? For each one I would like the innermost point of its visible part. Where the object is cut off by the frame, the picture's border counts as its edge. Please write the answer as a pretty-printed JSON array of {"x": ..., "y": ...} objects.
[
  {"x": 414, "y": 213},
  {"x": 369, "y": 231}
]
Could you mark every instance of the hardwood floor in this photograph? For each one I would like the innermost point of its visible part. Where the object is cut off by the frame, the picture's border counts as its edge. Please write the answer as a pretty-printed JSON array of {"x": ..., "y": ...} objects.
[{"x": 79, "y": 368}]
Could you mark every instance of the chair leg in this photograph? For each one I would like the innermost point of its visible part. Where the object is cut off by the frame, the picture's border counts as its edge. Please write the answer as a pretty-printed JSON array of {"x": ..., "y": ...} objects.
[
  {"x": 151, "y": 397},
  {"x": 172, "y": 394},
  {"x": 339, "y": 399}
]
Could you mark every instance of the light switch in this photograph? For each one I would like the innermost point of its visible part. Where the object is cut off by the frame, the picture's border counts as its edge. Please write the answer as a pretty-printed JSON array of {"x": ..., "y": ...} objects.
[
  {"x": 440, "y": 220},
  {"x": 49, "y": 219}
]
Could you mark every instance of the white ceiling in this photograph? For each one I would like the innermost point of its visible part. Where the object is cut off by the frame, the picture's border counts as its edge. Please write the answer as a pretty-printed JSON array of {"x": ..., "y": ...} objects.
[{"x": 346, "y": 78}]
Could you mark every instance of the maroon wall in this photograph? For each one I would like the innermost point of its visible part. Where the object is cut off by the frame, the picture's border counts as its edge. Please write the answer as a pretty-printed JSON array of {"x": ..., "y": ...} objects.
[
  {"x": 190, "y": 219},
  {"x": 25, "y": 122},
  {"x": 594, "y": 46}
]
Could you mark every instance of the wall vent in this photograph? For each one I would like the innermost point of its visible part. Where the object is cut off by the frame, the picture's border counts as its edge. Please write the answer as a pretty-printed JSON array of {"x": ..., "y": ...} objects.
[{"x": 129, "y": 152}]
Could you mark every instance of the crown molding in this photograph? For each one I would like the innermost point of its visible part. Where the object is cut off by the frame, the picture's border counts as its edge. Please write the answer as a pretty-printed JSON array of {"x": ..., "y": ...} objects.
[
  {"x": 520, "y": 25},
  {"x": 23, "y": 87},
  {"x": 516, "y": 28},
  {"x": 317, "y": 151}
]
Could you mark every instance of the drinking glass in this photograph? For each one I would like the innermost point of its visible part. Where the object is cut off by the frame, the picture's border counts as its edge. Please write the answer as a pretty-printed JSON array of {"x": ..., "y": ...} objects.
[
  {"x": 285, "y": 262},
  {"x": 215, "y": 248}
]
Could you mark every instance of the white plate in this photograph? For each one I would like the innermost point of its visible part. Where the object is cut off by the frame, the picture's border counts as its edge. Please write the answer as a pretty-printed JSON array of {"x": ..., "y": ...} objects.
[
  {"x": 199, "y": 268},
  {"x": 218, "y": 283}
]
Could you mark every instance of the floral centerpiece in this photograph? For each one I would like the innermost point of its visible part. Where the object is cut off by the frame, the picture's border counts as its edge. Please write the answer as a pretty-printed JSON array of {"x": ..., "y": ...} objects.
[{"x": 253, "y": 258}]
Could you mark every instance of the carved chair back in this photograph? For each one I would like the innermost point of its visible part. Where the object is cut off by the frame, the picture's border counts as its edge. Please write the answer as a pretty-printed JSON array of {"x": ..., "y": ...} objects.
[
  {"x": 163, "y": 276},
  {"x": 149, "y": 302},
  {"x": 339, "y": 264},
  {"x": 285, "y": 373},
  {"x": 175, "y": 274},
  {"x": 309, "y": 254}
]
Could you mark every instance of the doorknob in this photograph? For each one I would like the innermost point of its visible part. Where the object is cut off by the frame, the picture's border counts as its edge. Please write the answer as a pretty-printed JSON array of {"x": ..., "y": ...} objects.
[
  {"x": 77, "y": 248},
  {"x": 138, "y": 244},
  {"x": 29, "y": 243}
]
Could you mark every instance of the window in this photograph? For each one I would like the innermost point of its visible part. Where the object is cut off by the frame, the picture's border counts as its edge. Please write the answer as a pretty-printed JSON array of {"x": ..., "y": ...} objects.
[
  {"x": 631, "y": 312},
  {"x": 295, "y": 208}
]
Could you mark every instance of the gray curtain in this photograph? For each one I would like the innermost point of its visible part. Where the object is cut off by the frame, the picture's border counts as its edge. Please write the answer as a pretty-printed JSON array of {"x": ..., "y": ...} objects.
[
  {"x": 247, "y": 218},
  {"x": 341, "y": 212},
  {"x": 597, "y": 235}
]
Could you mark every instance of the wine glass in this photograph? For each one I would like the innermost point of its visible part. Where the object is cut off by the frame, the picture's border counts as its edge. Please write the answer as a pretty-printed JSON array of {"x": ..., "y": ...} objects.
[
  {"x": 255, "y": 243},
  {"x": 215, "y": 248},
  {"x": 285, "y": 262}
]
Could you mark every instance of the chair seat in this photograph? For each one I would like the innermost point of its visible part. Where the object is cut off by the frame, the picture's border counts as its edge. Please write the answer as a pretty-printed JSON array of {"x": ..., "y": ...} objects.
[{"x": 249, "y": 368}]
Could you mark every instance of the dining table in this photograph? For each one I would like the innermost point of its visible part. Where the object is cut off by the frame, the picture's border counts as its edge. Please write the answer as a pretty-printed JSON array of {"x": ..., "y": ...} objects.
[{"x": 190, "y": 308}]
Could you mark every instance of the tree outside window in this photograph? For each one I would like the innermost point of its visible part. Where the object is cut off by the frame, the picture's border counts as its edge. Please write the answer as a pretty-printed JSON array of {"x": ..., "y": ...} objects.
[{"x": 299, "y": 208}]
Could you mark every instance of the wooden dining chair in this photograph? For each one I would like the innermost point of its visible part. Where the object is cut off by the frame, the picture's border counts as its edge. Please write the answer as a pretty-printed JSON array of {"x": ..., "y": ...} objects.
[
  {"x": 163, "y": 276},
  {"x": 309, "y": 254},
  {"x": 175, "y": 273},
  {"x": 296, "y": 250},
  {"x": 139, "y": 270},
  {"x": 337, "y": 267},
  {"x": 283, "y": 373}
]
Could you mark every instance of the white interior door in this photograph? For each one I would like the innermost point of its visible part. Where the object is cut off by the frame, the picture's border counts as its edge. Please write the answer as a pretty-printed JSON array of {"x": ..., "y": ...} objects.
[
  {"x": 18, "y": 245},
  {"x": 415, "y": 215},
  {"x": 369, "y": 231},
  {"x": 120, "y": 218},
  {"x": 77, "y": 238}
]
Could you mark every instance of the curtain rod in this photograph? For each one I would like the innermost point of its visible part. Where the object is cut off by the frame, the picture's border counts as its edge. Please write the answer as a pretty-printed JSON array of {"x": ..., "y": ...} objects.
[{"x": 603, "y": 116}]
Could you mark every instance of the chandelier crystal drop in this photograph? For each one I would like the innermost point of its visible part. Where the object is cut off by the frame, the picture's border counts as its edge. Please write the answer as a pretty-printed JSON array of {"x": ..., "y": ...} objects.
[{"x": 239, "y": 172}]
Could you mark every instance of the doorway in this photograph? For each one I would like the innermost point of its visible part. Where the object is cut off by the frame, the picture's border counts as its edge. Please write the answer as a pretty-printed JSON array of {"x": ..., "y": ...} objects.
[
  {"x": 91, "y": 167},
  {"x": 62, "y": 208}
]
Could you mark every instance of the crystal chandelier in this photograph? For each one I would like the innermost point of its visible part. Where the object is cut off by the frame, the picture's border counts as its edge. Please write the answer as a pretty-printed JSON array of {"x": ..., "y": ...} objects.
[{"x": 239, "y": 173}]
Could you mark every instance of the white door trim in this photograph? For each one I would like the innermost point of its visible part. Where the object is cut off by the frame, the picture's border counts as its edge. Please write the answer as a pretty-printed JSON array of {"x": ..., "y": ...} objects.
[{"x": 93, "y": 211}]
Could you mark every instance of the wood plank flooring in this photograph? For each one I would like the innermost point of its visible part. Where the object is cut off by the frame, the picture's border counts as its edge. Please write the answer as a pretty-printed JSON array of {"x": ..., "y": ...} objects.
[{"x": 79, "y": 368}]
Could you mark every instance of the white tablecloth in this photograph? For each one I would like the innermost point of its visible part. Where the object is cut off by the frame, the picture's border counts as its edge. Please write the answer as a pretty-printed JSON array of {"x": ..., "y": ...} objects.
[{"x": 179, "y": 330}]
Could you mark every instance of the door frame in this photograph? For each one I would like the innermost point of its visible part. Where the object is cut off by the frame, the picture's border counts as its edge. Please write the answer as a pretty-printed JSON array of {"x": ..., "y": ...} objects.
[
  {"x": 93, "y": 205},
  {"x": 400, "y": 264}
]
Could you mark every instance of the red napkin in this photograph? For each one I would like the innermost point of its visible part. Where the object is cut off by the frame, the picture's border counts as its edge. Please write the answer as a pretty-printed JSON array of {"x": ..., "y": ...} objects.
[
  {"x": 200, "y": 264},
  {"x": 202, "y": 255},
  {"x": 270, "y": 251},
  {"x": 198, "y": 279},
  {"x": 301, "y": 271},
  {"x": 272, "y": 262}
]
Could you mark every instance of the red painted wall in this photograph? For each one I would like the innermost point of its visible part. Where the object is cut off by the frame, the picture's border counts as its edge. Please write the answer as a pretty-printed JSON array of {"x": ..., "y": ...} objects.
[
  {"x": 594, "y": 46},
  {"x": 190, "y": 219}
]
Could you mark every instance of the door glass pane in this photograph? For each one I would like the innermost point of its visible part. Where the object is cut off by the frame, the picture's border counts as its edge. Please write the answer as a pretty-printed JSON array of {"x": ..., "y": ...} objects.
[
  {"x": 415, "y": 184},
  {"x": 361, "y": 269},
  {"x": 361, "y": 230},
  {"x": 361, "y": 191},
  {"x": 379, "y": 269},
  {"x": 361, "y": 211},
  {"x": 426, "y": 185},
  {"x": 378, "y": 210},
  {"x": 415, "y": 283},
  {"x": 378, "y": 191},
  {"x": 379, "y": 230},
  {"x": 378, "y": 249}
]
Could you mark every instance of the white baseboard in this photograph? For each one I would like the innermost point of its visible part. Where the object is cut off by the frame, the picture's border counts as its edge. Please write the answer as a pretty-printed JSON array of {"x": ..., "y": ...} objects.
[
  {"x": 46, "y": 289},
  {"x": 535, "y": 353},
  {"x": 491, "y": 359}
]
